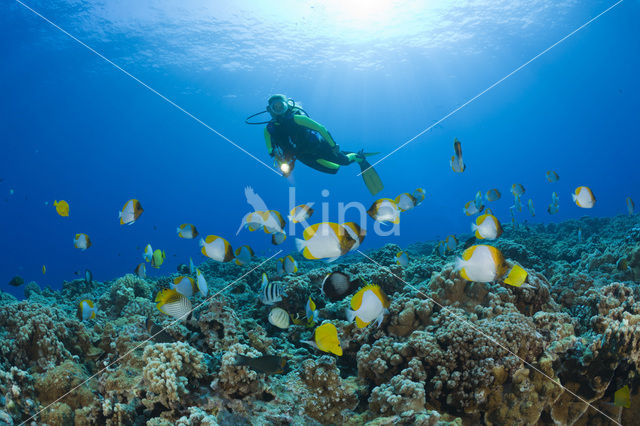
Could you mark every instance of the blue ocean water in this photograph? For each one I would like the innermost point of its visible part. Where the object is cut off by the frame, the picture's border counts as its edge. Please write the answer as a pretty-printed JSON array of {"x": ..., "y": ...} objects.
[{"x": 75, "y": 127}]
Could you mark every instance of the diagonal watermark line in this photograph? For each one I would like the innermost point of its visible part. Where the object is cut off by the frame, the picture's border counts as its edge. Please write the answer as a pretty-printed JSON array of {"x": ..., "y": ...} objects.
[
  {"x": 492, "y": 86},
  {"x": 492, "y": 339},
  {"x": 148, "y": 87},
  {"x": 150, "y": 338}
]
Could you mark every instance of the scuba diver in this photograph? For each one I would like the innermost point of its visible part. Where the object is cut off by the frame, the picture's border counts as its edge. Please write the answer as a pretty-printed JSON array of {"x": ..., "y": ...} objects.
[{"x": 291, "y": 135}]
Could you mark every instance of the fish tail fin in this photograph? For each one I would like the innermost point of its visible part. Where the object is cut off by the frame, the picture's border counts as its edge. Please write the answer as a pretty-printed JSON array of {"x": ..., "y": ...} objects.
[
  {"x": 300, "y": 244},
  {"x": 459, "y": 264},
  {"x": 309, "y": 342},
  {"x": 350, "y": 314}
]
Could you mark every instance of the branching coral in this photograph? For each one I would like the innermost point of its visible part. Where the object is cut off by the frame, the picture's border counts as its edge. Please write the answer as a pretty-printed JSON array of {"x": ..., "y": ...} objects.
[
  {"x": 328, "y": 395},
  {"x": 169, "y": 371},
  {"x": 40, "y": 336}
]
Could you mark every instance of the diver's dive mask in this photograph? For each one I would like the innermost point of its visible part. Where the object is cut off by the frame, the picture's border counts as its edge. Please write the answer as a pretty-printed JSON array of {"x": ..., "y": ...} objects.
[{"x": 278, "y": 105}]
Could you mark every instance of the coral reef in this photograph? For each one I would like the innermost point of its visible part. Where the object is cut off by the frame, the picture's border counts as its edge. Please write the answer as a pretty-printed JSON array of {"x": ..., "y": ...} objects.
[{"x": 448, "y": 351}]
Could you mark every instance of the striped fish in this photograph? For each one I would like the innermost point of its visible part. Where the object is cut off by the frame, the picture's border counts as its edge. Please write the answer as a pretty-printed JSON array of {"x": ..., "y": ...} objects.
[
  {"x": 279, "y": 318},
  {"x": 270, "y": 292},
  {"x": 174, "y": 304}
]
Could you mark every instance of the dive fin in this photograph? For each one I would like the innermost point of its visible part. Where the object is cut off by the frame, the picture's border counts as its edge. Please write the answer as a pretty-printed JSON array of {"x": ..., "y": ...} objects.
[{"x": 370, "y": 177}]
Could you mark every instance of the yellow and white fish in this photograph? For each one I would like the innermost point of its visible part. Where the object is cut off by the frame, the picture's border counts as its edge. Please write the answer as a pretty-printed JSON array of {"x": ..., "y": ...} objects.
[
  {"x": 484, "y": 264},
  {"x": 517, "y": 204},
  {"x": 184, "y": 285},
  {"x": 174, "y": 304},
  {"x": 243, "y": 255},
  {"x": 367, "y": 305},
  {"x": 493, "y": 195},
  {"x": 470, "y": 208},
  {"x": 531, "y": 209},
  {"x": 273, "y": 222},
  {"x": 325, "y": 240},
  {"x": 554, "y": 198},
  {"x": 252, "y": 221},
  {"x": 187, "y": 231},
  {"x": 279, "y": 266},
  {"x": 517, "y": 189},
  {"x": 158, "y": 258},
  {"x": 487, "y": 227},
  {"x": 355, "y": 232},
  {"x": 141, "y": 270},
  {"x": 385, "y": 210},
  {"x": 86, "y": 310},
  {"x": 300, "y": 213},
  {"x": 583, "y": 197},
  {"x": 630, "y": 206},
  {"x": 201, "y": 283},
  {"x": 325, "y": 338},
  {"x": 419, "y": 195},
  {"x": 62, "y": 207},
  {"x": 216, "y": 248},
  {"x": 457, "y": 164},
  {"x": 148, "y": 253},
  {"x": 279, "y": 318},
  {"x": 130, "y": 212},
  {"x": 402, "y": 258},
  {"x": 44, "y": 269},
  {"x": 478, "y": 201},
  {"x": 290, "y": 265},
  {"x": 552, "y": 176},
  {"x": 553, "y": 208},
  {"x": 81, "y": 241},
  {"x": 278, "y": 238},
  {"x": 406, "y": 201},
  {"x": 310, "y": 311},
  {"x": 450, "y": 243}
]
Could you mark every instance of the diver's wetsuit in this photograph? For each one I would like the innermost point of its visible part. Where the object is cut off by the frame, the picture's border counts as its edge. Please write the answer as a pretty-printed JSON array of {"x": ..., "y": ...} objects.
[{"x": 308, "y": 141}]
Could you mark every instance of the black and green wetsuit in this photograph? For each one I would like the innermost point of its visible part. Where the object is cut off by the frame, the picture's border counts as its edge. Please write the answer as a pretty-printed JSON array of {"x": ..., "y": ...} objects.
[{"x": 308, "y": 141}]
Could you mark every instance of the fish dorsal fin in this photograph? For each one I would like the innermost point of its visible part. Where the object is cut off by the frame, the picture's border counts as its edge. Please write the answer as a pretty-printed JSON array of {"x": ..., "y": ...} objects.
[
  {"x": 468, "y": 253},
  {"x": 356, "y": 300},
  {"x": 310, "y": 231},
  {"x": 379, "y": 293}
]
